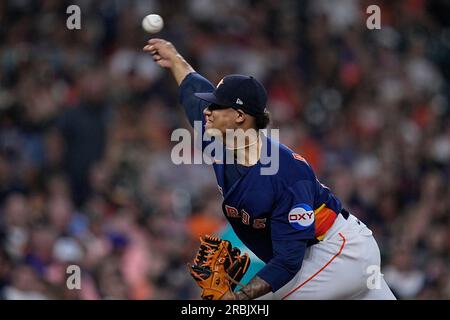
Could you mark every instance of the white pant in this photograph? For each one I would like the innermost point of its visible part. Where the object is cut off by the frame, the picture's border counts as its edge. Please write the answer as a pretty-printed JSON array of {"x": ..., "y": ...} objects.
[{"x": 345, "y": 265}]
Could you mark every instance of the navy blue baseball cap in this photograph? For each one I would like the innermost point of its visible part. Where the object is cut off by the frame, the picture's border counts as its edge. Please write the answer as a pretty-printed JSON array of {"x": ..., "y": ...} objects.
[{"x": 238, "y": 92}]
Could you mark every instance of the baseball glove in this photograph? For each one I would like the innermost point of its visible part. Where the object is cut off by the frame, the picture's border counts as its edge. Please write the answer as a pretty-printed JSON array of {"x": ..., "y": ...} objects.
[{"x": 218, "y": 267}]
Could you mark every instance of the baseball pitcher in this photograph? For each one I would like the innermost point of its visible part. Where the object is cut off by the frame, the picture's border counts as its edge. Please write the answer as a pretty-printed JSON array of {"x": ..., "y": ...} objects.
[{"x": 312, "y": 247}]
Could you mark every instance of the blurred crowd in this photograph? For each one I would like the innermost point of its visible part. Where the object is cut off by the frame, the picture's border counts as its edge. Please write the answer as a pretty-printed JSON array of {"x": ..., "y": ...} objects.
[{"x": 86, "y": 118}]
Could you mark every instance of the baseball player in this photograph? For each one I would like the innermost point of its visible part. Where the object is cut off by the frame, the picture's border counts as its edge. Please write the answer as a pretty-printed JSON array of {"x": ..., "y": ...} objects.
[{"x": 312, "y": 247}]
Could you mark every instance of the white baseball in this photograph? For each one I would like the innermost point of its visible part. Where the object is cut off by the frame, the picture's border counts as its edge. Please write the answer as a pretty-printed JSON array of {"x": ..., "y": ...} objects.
[{"x": 152, "y": 23}]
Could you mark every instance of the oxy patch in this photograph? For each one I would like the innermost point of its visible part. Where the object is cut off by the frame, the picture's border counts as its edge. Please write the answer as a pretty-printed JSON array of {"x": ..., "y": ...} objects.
[{"x": 301, "y": 216}]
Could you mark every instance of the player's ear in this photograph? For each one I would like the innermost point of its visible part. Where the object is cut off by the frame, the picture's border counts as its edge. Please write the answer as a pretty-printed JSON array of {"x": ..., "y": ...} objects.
[{"x": 240, "y": 117}]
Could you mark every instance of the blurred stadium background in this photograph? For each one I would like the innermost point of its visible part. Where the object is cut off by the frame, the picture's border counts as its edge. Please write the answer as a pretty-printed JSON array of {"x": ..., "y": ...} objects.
[{"x": 86, "y": 117}]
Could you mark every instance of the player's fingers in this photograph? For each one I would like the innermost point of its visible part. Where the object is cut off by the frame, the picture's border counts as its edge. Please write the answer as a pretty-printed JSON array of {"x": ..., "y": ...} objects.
[
  {"x": 163, "y": 63},
  {"x": 156, "y": 57},
  {"x": 150, "y": 49},
  {"x": 154, "y": 41},
  {"x": 159, "y": 44}
]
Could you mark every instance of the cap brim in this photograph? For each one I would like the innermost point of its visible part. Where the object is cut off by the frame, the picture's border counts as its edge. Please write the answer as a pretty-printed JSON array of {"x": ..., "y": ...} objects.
[{"x": 211, "y": 98}]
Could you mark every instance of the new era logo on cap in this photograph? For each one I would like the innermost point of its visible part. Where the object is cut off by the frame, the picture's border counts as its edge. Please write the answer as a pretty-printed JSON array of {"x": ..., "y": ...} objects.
[{"x": 238, "y": 92}]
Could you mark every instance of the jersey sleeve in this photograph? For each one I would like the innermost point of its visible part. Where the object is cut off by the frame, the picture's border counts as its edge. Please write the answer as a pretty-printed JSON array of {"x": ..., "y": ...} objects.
[
  {"x": 294, "y": 217},
  {"x": 192, "y": 105},
  {"x": 286, "y": 262},
  {"x": 292, "y": 225}
]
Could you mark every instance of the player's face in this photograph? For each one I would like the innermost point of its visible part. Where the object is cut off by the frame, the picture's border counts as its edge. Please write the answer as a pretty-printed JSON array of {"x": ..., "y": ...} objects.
[{"x": 220, "y": 118}]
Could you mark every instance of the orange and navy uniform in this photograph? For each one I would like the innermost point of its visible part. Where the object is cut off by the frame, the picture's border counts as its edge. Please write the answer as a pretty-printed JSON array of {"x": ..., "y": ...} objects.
[{"x": 276, "y": 216}]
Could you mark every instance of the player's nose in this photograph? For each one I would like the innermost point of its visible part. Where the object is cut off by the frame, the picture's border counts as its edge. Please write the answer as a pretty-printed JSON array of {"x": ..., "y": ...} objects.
[{"x": 207, "y": 112}]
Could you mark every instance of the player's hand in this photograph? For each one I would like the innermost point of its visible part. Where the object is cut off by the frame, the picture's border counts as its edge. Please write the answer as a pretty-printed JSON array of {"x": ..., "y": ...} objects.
[{"x": 163, "y": 52}]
